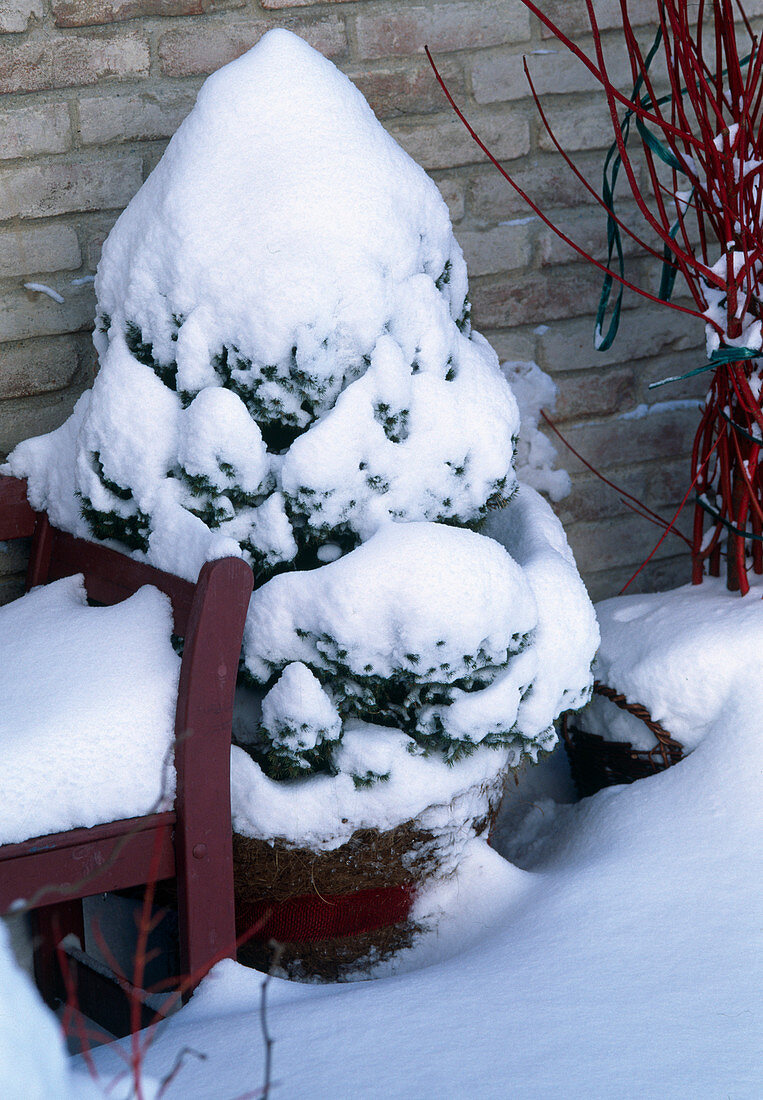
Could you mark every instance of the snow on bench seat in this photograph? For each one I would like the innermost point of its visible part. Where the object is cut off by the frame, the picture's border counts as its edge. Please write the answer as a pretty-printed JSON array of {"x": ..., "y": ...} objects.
[{"x": 88, "y": 709}]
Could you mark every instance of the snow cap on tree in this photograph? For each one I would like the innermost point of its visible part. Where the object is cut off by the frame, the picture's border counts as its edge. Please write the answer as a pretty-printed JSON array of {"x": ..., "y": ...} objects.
[
  {"x": 425, "y": 628},
  {"x": 299, "y": 722},
  {"x": 287, "y": 251}
]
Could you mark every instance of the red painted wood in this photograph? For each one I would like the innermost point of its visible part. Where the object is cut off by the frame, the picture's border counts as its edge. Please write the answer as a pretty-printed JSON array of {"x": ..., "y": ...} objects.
[
  {"x": 76, "y": 837},
  {"x": 49, "y": 927},
  {"x": 202, "y": 758},
  {"x": 110, "y": 576},
  {"x": 194, "y": 842},
  {"x": 82, "y": 862},
  {"x": 17, "y": 518},
  {"x": 40, "y": 554},
  {"x": 109, "y": 998}
]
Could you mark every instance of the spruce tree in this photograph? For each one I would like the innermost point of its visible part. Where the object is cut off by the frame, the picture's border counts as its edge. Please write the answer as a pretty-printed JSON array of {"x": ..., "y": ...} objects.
[{"x": 288, "y": 373}]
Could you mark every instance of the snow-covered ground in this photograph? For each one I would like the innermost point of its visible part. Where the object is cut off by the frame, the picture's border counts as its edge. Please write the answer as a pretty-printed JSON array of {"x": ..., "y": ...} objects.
[
  {"x": 617, "y": 955},
  {"x": 607, "y": 948},
  {"x": 604, "y": 948},
  {"x": 621, "y": 959}
]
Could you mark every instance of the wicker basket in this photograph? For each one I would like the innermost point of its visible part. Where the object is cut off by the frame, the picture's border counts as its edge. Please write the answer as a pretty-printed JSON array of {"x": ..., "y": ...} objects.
[
  {"x": 596, "y": 762},
  {"x": 333, "y": 915}
]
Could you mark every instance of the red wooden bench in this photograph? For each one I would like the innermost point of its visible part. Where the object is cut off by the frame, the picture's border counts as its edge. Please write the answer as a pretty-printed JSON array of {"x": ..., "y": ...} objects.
[{"x": 192, "y": 842}]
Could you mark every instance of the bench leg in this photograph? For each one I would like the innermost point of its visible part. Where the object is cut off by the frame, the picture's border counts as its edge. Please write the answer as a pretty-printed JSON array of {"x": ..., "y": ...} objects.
[
  {"x": 206, "y": 918},
  {"x": 50, "y": 925}
]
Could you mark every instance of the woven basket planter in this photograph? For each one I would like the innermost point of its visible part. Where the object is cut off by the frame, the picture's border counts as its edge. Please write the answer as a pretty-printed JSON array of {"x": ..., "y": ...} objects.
[
  {"x": 596, "y": 762},
  {"x": 332, "y": 915}
]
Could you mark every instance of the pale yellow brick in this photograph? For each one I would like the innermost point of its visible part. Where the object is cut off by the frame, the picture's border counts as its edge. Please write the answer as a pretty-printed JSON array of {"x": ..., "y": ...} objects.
[
  {"x": 490, "y": 251},
  {"x": 545, "y": 179},
  {"x": 442, "y": 142},
  {"x": 407, "y": 87},
  {"x": 674, "y": 364},
  {"x": 584, "y": 125},
  {"x": 660, "y": 575},
  {"x": 40, "y": 62},
  {"x": 39, "y": 366},
  {"x": 30, "y": 250},
  {"x": 33, "y": 190},
  {"x": 645, "y": 331},
  {"x": 205, "y": 46},
  {"x": 277, "y": 5},
  {"x": 399, "y": 29},
  {"x": 571, "y": 16},
  {"x": 587, "y": 227},
  {"x": 531, "y": 297},
  {"x": 93, "y": 232},
  {"x": 16, "y": 14},
  {"x": 20, "y": 419},
  {"x": 665, "y": 433},
  {"x": 610, "y": 543},
  {"x": 130, "y": 116},
  {"x": 25, "y": 314},
  {"x": 612, "y": 391},
  {"x": 37, "y": 128},
  {"x": 659, "y": 485},
  {"x": 94, "y": 250},
  {"x": 511, "y": 345},
  {"x": 554, "y": 71},
  {"x": 153, "y": 153},
  {"x": 452, "y": 190},
  {"x": 85, "y": 13}
]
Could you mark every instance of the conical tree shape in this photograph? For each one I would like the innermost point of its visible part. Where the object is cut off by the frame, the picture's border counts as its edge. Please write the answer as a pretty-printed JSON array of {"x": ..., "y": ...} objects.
[
  {"x": 284, "y": 248},
  {"x": 289, "y": 374}
]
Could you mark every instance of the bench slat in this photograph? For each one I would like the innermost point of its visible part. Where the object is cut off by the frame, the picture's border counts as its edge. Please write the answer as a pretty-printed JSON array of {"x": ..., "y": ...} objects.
[
  {"x": 109, "y": 576},
  {"x": 87, "y": 861}
]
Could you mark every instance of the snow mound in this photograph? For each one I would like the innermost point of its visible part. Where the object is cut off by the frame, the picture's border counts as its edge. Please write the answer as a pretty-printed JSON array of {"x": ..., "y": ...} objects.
[
  {"x": 425, "y": 626},
  {"x": 414, "y": 594},
  {"x": 287, "y": 251},
  {"x": 564, "y": 957},
  {"x": 403, "y": 595},
  {"x": 567, "y": 635},
  {"x": 33, "y": 1061},
  {"x": 322, "y": 812},
  {"x": 78, "y": 744},
  {"x": 687, "y": 655},
  {"x": 281, "y": 214}
]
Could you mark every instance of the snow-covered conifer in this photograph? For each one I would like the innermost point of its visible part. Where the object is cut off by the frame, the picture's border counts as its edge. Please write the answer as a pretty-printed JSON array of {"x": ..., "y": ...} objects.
[
  {"x": 289, "y": 277},
  {"x": 289, "y": 374}
]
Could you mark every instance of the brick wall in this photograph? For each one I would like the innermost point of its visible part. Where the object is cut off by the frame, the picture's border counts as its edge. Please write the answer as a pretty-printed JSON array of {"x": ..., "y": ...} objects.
[{"x": 92, "y": 89}]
